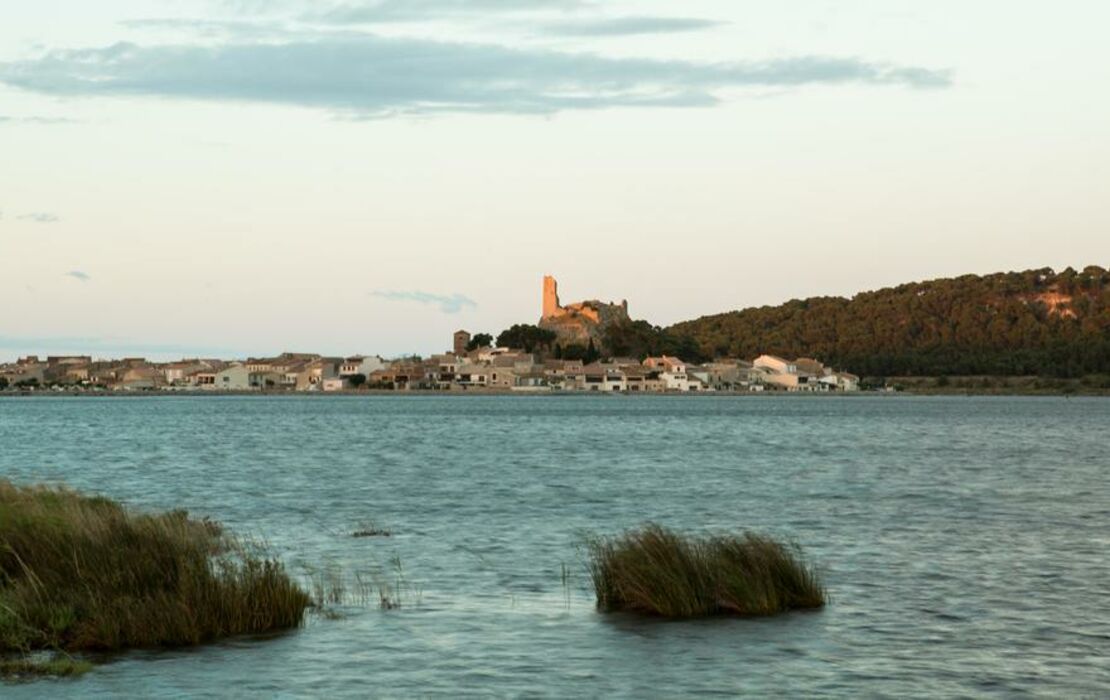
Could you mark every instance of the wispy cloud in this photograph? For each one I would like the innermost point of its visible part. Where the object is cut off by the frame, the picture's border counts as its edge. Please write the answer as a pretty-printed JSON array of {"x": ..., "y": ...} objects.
[
  {"x": 570, "y": 18},
  {"x": 379, "y": 11},
  {"x": 78, "y": 275},
  {"x": 371, "y": 76},
  {"x": 626, "y": 26},
  {"x": 106, "y": 346},
  {"x": 448, "y": 304},
  {"x": 37, "y": 120},
  {"x": 218, "y": 28},
  {"x": 40, "y": 217}
]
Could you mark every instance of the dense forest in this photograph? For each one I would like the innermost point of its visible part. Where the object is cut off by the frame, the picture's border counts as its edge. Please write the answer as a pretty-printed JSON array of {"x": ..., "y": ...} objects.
[
  {"x": 640, "y": 339},
  {"x": 1037, "y": 322}
]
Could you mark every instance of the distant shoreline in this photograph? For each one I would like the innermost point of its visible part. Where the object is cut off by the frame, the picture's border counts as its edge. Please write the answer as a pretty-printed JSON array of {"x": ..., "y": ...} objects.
[{"x": 916, "y": 392}]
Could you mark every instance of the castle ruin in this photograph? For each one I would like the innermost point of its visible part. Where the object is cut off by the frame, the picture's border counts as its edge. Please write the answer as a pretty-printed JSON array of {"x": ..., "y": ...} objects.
[{"x": 581, "y": 322}]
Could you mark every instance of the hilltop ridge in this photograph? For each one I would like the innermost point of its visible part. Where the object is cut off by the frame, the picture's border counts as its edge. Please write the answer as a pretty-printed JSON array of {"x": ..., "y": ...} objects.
[{"x": 1035, "y": 322}]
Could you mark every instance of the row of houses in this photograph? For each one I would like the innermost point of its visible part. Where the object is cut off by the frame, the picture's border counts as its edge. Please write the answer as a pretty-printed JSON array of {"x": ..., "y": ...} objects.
[
  {"x": 482, "y": 369},
  {"x": 288, "y": 371},
  {"x": 504, "y": 369}
]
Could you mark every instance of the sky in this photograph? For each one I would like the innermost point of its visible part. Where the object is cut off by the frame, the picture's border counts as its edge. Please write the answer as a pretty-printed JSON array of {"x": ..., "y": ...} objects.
[{"x": 245, "y": 177}]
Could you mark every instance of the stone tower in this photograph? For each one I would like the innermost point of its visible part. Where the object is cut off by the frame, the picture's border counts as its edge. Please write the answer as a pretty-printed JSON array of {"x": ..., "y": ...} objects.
[
  {"x": 462, "y": 339},
  {"x": 551, "y": 306},
  {"x": 581, "y": 322}
]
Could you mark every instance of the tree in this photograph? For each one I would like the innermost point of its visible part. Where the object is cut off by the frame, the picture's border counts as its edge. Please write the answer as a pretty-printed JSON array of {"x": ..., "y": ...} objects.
[
  {"x": 640, "y": 339},
  {"x": 571, "y": 352},
  {"x": 1033, "y": 322},
  {"x": 637, "y": 339},
  {"x": 584, "y": 353},
  {"x": 480, "y": 340},
  {"x": 525, "y": 337},
  {"x": 357, "y": 380},
  {"x": 592, "y": 355},
  {"x": 3, "y": 383}
]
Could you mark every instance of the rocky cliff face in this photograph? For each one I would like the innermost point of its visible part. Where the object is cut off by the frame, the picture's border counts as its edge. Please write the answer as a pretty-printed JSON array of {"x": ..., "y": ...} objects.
[{"x": 585, "y": 321}]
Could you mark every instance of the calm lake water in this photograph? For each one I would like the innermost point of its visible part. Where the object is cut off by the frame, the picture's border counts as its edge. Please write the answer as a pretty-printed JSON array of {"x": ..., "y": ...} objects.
[{"x": 965, "y": 541}]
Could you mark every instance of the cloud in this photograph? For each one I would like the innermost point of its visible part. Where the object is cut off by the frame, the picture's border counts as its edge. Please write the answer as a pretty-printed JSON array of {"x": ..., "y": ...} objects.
[
  {"x": 78, "y": 275},
  {"x": 626, "y": 26},
  {"x": 422, "y": 10},
  {"x": 40, "y": 217},
  {"x": 371, "y": 76},
  {"x": 4, "y": 119},
  {"x": 452, "y": 304},
  {"x": 354, "y": 15},
  {"x": 106, "y": 346},
  {"x": 217, "y": 28}
]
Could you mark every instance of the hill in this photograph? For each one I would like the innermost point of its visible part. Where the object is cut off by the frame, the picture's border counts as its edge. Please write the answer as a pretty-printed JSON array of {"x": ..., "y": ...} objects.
[{"x": 1037, "y": 322}]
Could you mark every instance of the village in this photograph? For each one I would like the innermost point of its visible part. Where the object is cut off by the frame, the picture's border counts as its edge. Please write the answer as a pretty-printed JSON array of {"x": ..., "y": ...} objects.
[
  {"x": 470, "y": 365},
  {"x": 485, "y": 369},
  {"x": 480, "y": 369}
]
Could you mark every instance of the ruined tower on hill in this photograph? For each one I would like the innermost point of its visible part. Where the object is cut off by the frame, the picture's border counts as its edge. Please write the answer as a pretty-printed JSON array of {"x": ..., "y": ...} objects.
[{"x": 579, "y": 323}]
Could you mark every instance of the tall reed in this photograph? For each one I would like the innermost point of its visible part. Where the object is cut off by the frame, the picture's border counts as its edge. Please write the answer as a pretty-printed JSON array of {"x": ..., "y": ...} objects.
[
  {"x": 81, "y": 573},
  {"x": 656, "y": 571}
]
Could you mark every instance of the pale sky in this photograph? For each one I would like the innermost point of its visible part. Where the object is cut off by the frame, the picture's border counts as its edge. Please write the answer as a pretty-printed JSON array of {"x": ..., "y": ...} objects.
[{"x": 187, "y": 177}]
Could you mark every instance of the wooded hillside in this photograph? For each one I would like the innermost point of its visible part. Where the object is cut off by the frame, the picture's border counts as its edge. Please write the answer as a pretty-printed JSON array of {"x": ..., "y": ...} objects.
[{"x": 1017, "y": 323}]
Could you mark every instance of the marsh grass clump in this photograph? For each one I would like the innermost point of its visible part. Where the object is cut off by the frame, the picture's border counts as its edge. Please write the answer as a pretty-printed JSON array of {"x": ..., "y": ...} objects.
[
  {"x": 371, "y": 530},
  {"x": 28, "y": 669},
  {"x": 656, "y": 571},
  {"x": 82, "y": 573},
  {"x": 331, "y": 586}
]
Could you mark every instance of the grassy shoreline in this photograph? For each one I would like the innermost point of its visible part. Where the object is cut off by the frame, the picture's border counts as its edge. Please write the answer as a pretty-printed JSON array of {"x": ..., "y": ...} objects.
[
  {"x": 83, "y": 574},
  {"x": 1094, "y": 385}
]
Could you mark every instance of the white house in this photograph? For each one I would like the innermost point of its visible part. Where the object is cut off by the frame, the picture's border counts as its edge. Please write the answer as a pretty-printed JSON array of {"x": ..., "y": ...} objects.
[
  {"x": 234, "y": 378},
  {"x": 472, "y": 375},
  {"x": 795, "y": 381},
  {"x": 361, "y": 364},
  {"x": 488, "y": 354},
  {"x": 776, "y": 364},
  {"x": 333, "y": 383},
  {"x": 241, "y": 378},
  {"x": 842, "y": 381}
]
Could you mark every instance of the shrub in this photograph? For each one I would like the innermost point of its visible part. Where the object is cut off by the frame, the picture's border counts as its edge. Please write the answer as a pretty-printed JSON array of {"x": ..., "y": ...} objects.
[
  {"x": 83, "y": 573},
  {"x": 655, "y": 571}
]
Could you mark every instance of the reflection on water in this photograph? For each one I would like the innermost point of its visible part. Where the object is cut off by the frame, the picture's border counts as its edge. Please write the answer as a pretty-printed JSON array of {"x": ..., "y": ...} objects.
[{"x": 964, "y": 540}]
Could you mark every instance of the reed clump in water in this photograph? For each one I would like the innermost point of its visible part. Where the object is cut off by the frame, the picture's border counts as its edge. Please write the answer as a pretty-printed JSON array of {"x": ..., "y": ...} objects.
[
  {"x": 655, "y": 571},
  {"x": 82, "y": 573},
  {"x": 29, "y": 669}
]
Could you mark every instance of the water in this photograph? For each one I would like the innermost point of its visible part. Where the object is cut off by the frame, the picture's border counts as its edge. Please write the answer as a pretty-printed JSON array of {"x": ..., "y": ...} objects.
[{"x": 964, "y": 540}]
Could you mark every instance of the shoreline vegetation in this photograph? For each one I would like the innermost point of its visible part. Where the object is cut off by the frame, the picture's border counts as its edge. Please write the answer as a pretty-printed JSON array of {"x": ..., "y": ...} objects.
[
  {"x": 83, "y": 574},
  {"x": 658, "y": 572},
  {"x": 985, "y": 385}
]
